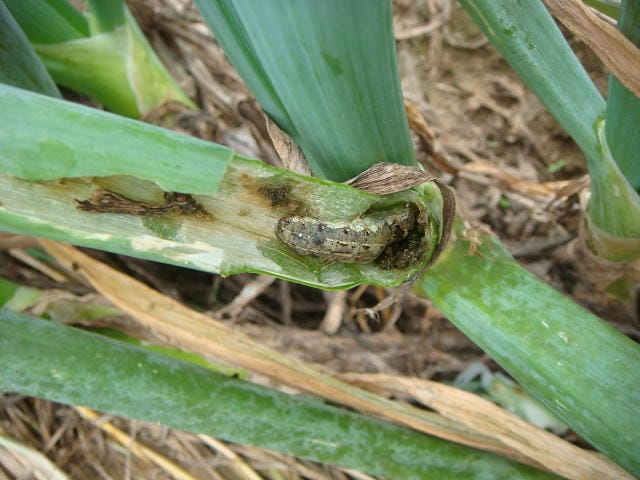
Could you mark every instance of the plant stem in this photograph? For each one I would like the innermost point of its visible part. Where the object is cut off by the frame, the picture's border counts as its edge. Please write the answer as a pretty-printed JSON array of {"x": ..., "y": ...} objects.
[
  {"x": 535, "y": 48},
  {"x": 623, "y": 107}
]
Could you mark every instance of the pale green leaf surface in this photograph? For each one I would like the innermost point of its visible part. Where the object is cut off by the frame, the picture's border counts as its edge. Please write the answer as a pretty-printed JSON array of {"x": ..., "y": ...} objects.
[
  {"x": 154, "y": 388},
  {"x": 19, "y": 64},
  {"x": 22, "y": 298},
  {"x": 150, "y": 81},
  {"x": 238, "y": 236},
  {"x": 94, "y": 66},
  {"x": 616, "y": 205},
  {"x": 45, "y": 139},
  {"x": 117, "y": 68},
  {"x": 343, "y": 101}
]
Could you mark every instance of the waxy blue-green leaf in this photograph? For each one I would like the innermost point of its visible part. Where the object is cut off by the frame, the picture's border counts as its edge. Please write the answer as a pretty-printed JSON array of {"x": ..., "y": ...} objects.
[
  {"x": 325, "y": 72},
  {"x": 43, "y": 138},
  {"x": 535, "y": 48},
  {"x": 578, "y": 366},
  {"x": 77, "y": 367}
]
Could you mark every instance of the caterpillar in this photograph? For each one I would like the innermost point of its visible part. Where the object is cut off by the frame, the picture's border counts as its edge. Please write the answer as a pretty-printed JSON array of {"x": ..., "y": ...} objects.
[{"x": 361, "y": 240}]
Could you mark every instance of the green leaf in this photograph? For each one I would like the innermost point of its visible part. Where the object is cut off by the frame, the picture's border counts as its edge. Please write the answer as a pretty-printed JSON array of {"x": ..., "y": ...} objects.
[
  {"x": 19, "y": 298},
  {"x": 623, "y": 130},
  {"x": 504, "y": 202},
  {"x": 117, "y": 68},
  {"x": 239, "y": 236},
  {"x": 535, "y": 48},
  {"x": 556, "y": 167},
  {"x": 49, "y": 21},
  {"x": 43, "y": 138},
  {"x": 326, "y": 73},
  {"x": 615, "y": 207},
  {"x": 22, "y": 298},
  {"x": 623, "y": 107},
  {"x": 579, "y": 367},
  {"x": 169, "y": 352},
  {"x": 114, "y": 65},
  {"x": 608, "y": 7},
  {"x": 77, "y": 367},
  {"x": 47, "y": 139},
  {"x": 19, "y": 64},
  {"x": 231, "y": 34},
  {"x": 107, "y": 15},
  {"x": 7, "y": 290}
]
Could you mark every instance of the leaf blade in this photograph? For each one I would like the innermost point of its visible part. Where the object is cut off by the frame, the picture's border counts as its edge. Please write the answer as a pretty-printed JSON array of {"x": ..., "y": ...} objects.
[
  {"x": 48, "y": 139},
  {"x": 338, "y": 80},
  {"x": 574, "y": 363},
  {"x": 49, "y": 21},
  {"x": 151, "y": 387},
  {"x": 19, "y": 64},
  {"x": 45, "y": 139}
]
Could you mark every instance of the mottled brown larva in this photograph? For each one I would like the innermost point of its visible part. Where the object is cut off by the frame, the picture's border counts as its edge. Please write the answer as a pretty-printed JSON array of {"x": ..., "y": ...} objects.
[{"x": 358, "y": 241}]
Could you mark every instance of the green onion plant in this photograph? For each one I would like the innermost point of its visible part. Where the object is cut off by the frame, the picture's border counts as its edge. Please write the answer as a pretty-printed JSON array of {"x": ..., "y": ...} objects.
[
  {"x": 326, "y": 73},
  {"x": 101, "y": 53}
]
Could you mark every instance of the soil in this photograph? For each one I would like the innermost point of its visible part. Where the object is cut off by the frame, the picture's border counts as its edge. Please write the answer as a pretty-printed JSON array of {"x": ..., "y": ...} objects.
[{"x": 481, "y": 116}]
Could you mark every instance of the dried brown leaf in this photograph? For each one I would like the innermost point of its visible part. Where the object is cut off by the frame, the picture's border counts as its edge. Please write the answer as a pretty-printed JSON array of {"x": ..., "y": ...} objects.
[
  {"x": 385, "y": 177},
  {"x": 11, "y": 240},
  {"x": 483, "y": 415},
  {"x": 418, "y": 124},
  {"x": 288, "y": 151},
  {"x": 618, "y": 54},
  {"x": 134, "y": 446},
  {"x": 515, "y": 184}
]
